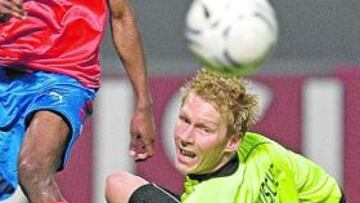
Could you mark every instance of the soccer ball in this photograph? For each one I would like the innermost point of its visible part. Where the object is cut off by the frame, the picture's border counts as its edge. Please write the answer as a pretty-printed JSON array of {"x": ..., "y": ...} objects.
[{"x": 232, "y": 36}]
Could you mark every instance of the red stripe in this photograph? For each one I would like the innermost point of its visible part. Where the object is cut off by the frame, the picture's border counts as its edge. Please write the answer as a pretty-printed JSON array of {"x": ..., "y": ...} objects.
[{"x": 351, "y": 82}]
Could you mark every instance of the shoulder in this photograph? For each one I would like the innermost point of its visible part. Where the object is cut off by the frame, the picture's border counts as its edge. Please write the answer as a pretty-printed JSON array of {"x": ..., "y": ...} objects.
[
  {"x": 257, "y": 144},
  {"x": 258, "y": 151}
]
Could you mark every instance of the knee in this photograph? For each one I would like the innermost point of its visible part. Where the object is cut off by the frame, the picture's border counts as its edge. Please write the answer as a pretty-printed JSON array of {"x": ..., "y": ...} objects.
[
  {"x": 120, "y": 186},
  {"x": 30, "y": 169},
  {"x": 26, "y": 166},
  {"x": 115, "y": 181}
]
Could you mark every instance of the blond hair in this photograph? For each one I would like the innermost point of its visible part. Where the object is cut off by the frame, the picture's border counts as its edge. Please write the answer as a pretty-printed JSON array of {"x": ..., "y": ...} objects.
[{"x": 228, "y": 94}]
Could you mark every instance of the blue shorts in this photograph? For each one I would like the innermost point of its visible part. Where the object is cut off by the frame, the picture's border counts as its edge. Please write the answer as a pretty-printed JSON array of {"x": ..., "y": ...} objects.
[{"x": 21, "y": 95}]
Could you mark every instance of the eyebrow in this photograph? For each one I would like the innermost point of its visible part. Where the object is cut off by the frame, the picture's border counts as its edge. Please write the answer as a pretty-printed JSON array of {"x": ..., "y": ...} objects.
[
  {"x": 204, "y": 121},
  {"x": 206, "y": 125},
  {"x": 210, "y": 123}
]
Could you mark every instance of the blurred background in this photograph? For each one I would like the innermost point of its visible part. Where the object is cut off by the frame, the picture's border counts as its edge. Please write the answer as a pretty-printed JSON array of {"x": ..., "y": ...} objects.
[
  {"x": 310, "y": 91},
  {"x": 315, "y": 37}
]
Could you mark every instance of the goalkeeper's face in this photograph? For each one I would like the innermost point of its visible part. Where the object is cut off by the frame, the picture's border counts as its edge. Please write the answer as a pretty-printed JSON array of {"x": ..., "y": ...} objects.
[{"x": 202, "y": 145}]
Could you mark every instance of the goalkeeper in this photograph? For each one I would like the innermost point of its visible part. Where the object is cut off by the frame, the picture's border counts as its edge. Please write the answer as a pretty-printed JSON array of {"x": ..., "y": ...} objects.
[{"x": 222, "y": 161}]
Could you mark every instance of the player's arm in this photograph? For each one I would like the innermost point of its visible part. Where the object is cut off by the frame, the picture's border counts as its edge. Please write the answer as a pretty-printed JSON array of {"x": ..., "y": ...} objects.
[
  {"x": 313, "y": 183},
  {"x": 11, "y": 8},
  {"x": 129, "y": 47}
]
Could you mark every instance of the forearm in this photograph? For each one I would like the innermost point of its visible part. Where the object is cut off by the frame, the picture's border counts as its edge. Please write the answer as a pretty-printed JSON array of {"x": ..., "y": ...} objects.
[{"x": 129, "y": 47}]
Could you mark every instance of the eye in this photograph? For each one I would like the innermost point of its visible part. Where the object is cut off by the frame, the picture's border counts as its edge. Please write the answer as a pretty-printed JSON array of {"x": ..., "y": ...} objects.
[
  {"x": 184, "y": 119},
  {"x": 207, "y": 129}
]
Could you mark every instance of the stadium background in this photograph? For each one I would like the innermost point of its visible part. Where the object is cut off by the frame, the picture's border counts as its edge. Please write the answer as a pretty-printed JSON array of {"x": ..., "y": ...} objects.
[{"x": 310, "y": 88}]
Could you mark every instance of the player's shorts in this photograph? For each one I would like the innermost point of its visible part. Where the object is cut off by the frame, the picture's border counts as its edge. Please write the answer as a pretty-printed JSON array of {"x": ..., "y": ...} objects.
[
  {"x": 152, "y": 193},
  {"x": 23, "y": 94}
]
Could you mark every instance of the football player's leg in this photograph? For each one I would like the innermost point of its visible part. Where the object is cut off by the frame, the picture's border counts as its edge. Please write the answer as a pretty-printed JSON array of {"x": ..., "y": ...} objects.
[
  {"x": 124, "y": 187},
  {"x": 41, "y": 156},
  {"x": 120, "y": 186}
]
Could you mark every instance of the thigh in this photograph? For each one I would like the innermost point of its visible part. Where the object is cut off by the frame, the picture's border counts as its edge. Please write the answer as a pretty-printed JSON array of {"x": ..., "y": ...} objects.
[
  {"x": 45, "y": 140},
  {"x": 63, "y": 100}
]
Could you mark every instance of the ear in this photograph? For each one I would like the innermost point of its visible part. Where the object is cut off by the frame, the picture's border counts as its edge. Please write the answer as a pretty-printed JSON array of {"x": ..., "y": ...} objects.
[{"x": 233, "y": 143}]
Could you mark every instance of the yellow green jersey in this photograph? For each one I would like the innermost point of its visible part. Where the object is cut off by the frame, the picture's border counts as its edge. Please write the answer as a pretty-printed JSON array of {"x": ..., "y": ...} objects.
[{"x": 267, "y": 172}]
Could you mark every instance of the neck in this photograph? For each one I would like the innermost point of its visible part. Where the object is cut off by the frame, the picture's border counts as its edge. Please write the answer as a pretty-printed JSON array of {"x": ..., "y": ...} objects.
[{"x": 225, "y": 169}]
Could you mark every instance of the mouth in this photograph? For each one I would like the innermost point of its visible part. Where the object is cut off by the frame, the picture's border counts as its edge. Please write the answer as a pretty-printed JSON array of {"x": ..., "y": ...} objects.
[
  {"x": 186, "y": 160},
  {"x": 187, "y": 153}
]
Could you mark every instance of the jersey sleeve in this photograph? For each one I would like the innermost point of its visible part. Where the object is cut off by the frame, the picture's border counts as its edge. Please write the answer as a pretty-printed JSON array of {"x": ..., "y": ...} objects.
[{"x": 312, "y": 182}]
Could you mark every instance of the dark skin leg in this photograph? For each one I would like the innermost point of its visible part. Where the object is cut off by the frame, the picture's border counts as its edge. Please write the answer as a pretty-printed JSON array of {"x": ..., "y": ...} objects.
[{"x": 41, "y": 155}]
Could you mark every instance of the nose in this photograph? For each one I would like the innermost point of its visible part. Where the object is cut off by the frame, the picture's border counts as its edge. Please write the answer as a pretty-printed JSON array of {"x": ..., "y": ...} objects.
[{"x": 187, "y": 136}]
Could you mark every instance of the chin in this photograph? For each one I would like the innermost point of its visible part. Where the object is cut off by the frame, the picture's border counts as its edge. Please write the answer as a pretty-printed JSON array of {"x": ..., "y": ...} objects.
[{"x": 183, "y": 169}]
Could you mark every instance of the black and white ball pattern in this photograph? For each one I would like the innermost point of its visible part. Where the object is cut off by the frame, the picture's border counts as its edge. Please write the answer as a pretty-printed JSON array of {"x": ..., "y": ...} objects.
[{"x": 231, "y": 35}]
